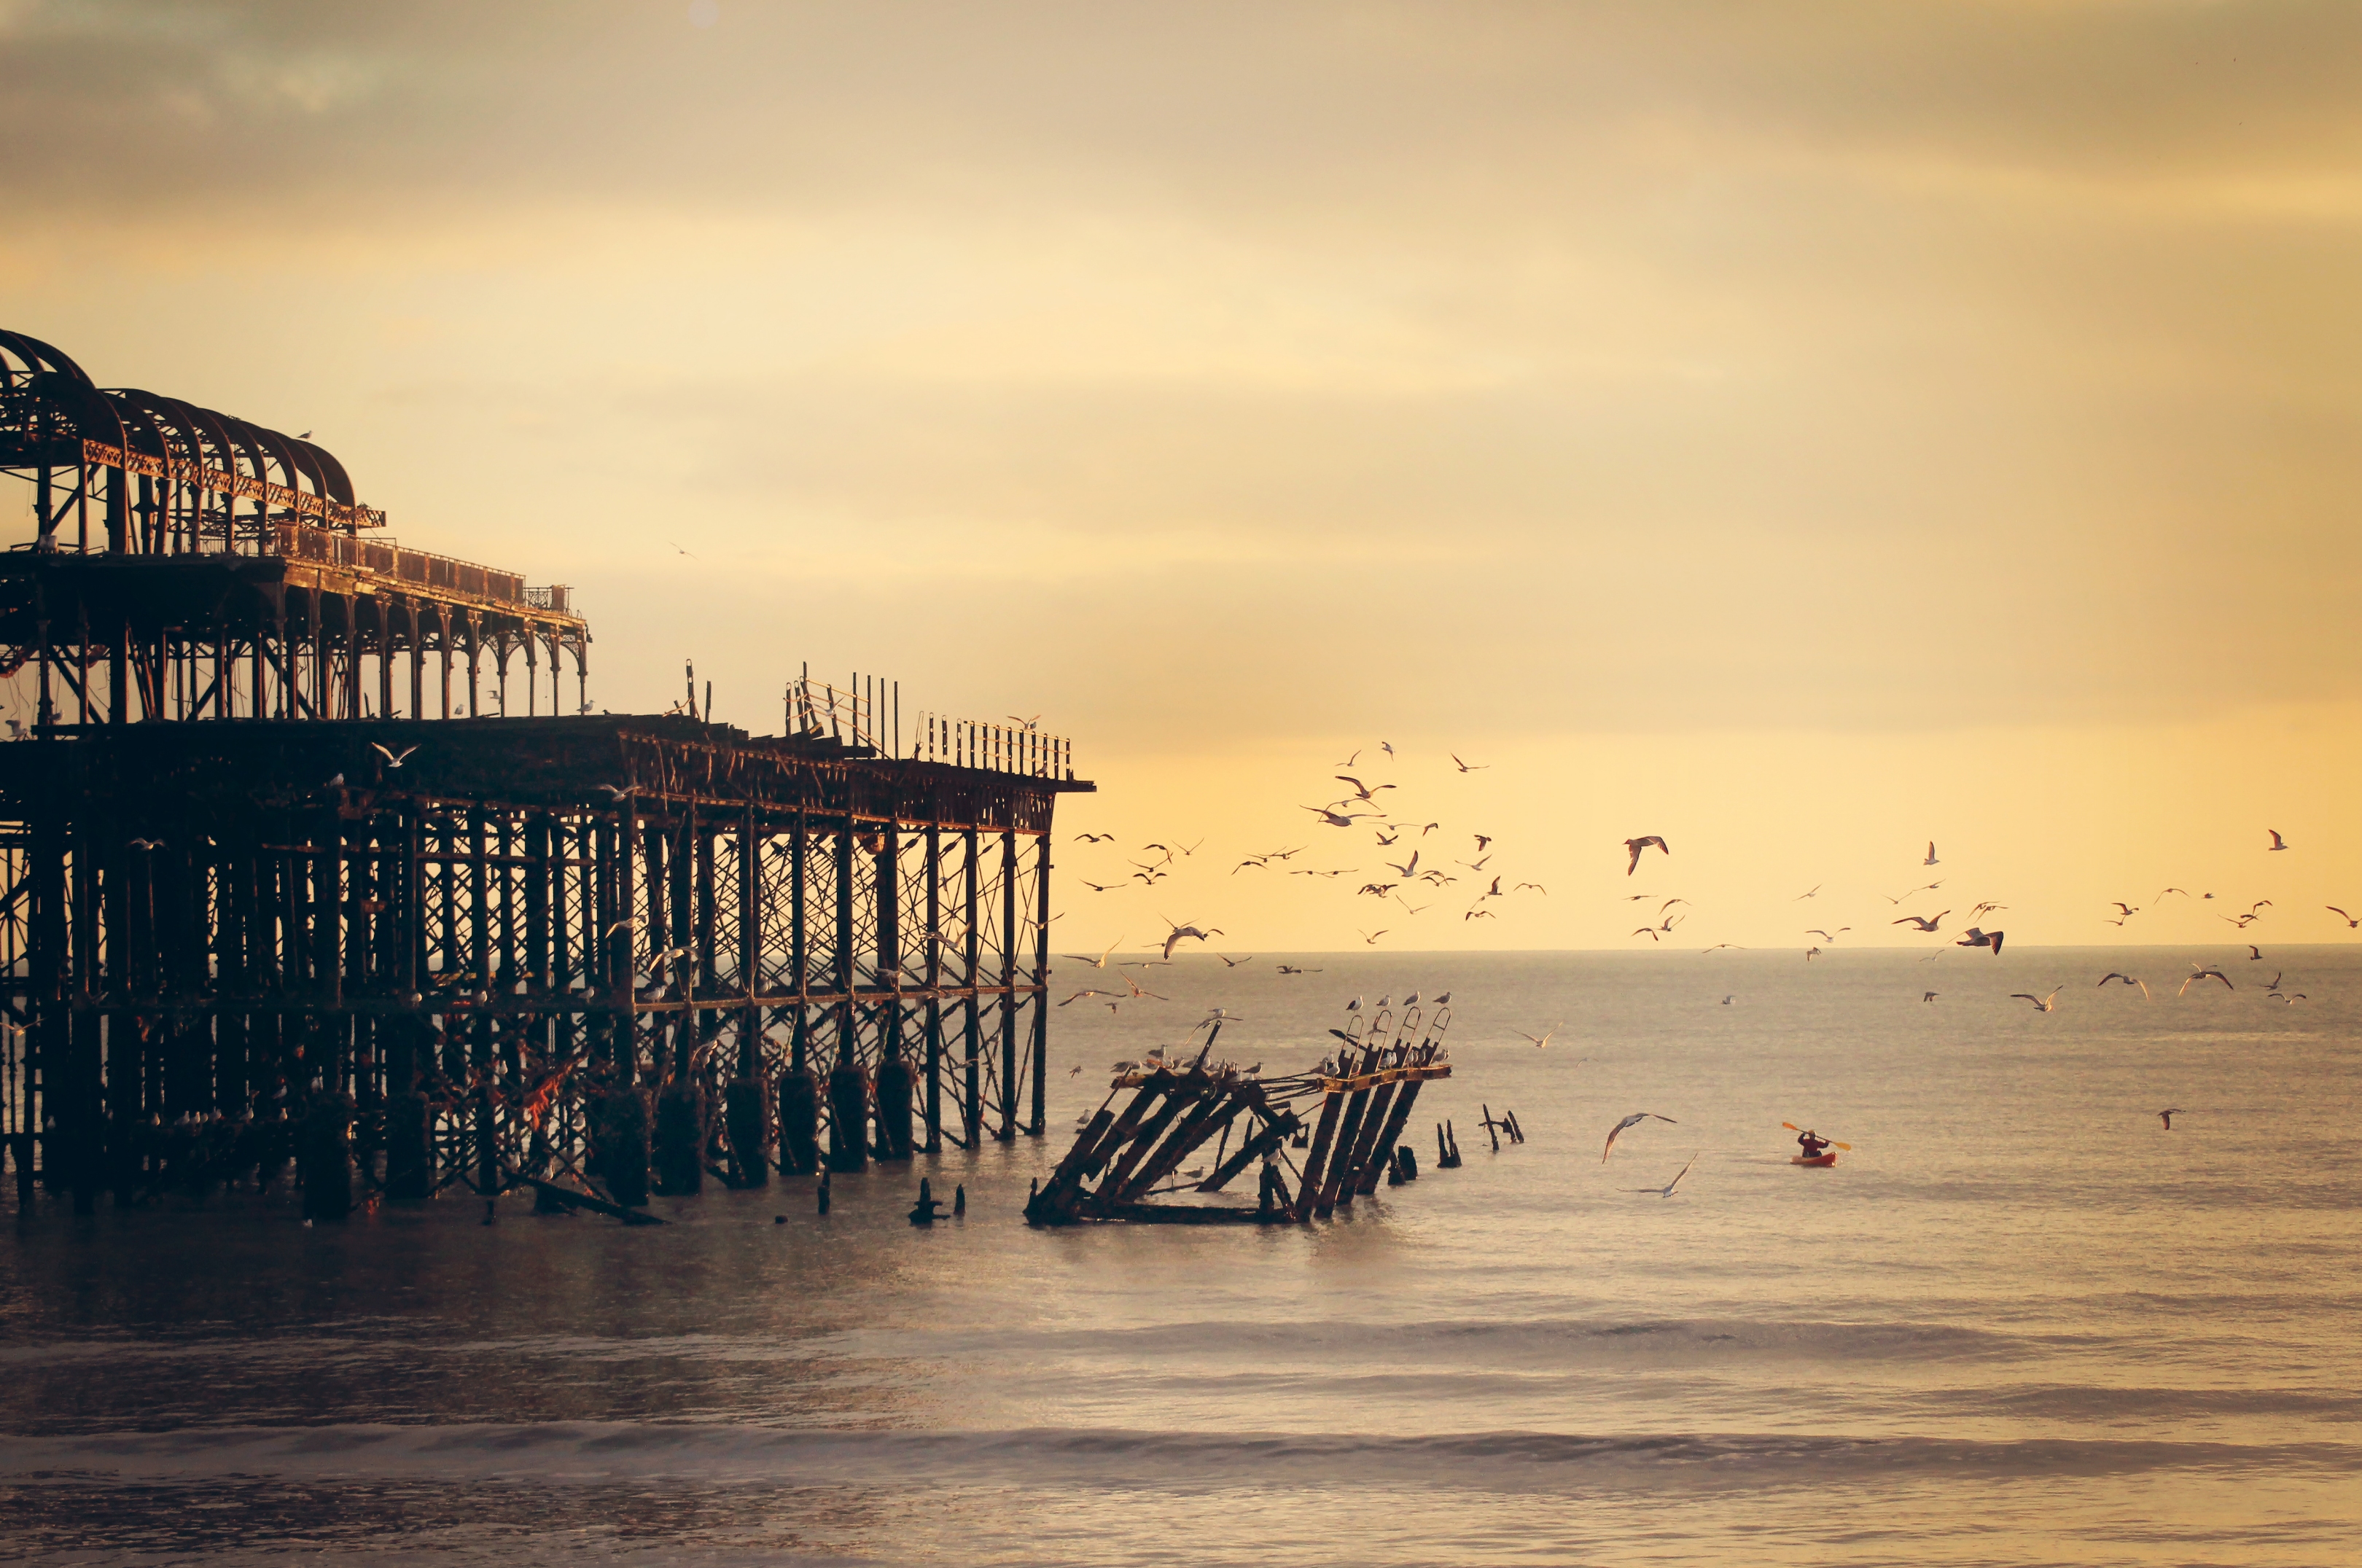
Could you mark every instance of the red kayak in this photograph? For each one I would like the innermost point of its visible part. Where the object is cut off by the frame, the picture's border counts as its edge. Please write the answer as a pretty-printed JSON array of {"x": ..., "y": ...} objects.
[{"x": 1823, "y": 1160}]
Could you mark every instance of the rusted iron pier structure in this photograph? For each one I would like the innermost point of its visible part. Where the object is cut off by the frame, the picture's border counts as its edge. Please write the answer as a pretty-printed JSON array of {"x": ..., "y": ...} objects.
[
  {"x": 188, "y": 565},
  {"x": 1347, "y": 1114},
  {"x": 321, "y": 909}
]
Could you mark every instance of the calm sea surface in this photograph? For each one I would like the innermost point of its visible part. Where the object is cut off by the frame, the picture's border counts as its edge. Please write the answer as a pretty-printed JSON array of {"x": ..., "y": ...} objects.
[{"x": 2020, "y": 1323}]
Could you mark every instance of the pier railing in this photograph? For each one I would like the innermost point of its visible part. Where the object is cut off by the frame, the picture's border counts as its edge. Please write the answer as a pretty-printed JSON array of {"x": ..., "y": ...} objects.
[{"x": 867, "y": 712}]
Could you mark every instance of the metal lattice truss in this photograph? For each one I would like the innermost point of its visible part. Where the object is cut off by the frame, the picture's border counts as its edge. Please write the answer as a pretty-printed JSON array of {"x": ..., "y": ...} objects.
[{"x": 484, "y": 947}]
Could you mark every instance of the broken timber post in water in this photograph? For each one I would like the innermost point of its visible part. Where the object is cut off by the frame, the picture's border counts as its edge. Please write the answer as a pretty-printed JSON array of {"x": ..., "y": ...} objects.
[{"x": 1161, "y": 1112}]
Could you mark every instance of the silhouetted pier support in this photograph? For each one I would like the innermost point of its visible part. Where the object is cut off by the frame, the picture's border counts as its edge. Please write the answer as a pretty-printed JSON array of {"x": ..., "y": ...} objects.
[
  {"x": 743, "y": 1117},
  {"x": 324, "y": 1159},
  {"x": 848, "y": 1117},
  {"x": 619, "y": 1145},
  {"x": 895, "y": 1084},
  {"x": 798, "y": 1122},
  {"x": 680, "y": 1139}
]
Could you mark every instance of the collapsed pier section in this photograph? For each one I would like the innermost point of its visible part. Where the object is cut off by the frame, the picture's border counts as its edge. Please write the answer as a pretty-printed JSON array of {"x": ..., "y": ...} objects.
[{"x": 1347, "y": 1114}]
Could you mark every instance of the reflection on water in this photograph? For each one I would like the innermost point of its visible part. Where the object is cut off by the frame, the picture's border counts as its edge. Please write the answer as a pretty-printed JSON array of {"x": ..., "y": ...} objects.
[{"x": 2019, "y": 1323}]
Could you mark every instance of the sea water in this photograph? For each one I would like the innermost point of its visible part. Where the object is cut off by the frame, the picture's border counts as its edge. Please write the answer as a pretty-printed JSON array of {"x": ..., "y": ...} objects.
[{"x": 2019, "y": 1323}]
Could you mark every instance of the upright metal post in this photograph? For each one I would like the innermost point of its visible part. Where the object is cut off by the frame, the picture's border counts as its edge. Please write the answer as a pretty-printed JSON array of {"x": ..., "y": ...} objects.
[
  {"x": 1009, "y": 940},
  {"x": 934, "y": 1069}
]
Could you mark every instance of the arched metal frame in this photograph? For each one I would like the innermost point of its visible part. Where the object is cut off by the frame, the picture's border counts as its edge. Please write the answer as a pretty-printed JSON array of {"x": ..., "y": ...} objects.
[{"x": 304, "y": 615}]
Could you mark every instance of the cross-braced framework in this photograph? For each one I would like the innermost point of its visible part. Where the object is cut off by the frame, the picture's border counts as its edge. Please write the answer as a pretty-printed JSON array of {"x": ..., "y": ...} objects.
[
  {"x": 184, "y": 564},
  {"x": 514, "y": 955}
]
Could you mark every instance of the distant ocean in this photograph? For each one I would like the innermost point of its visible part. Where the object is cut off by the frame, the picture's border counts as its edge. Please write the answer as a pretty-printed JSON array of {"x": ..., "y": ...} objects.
[{"x": 2020, "y": 1322}]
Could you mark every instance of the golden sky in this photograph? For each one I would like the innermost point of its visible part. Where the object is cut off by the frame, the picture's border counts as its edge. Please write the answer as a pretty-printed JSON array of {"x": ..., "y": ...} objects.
[{"x": 1798, "y": 430}]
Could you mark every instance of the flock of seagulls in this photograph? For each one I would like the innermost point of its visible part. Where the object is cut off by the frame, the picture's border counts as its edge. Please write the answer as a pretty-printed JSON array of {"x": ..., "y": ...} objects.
[
  {"x": 1411, "y": 873},
  {"x": 1414, "y": 872},
  {"x": 1823, "y": 937}
]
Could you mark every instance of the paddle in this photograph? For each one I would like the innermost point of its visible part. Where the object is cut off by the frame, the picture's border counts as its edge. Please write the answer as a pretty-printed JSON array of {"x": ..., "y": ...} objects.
[{"x": 1832, "y": 1142}]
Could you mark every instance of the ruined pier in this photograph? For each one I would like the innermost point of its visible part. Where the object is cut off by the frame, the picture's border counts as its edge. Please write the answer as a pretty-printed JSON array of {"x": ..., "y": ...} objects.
[{"x": 308, "y": 858}]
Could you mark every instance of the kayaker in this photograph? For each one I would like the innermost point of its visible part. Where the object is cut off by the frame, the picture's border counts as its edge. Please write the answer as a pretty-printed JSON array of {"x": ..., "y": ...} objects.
[{"x": 1812, "y": 1144}]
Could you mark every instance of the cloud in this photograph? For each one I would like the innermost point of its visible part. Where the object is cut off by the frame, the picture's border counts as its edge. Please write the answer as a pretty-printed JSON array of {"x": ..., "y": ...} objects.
[{"x": 1625, "y": 367}]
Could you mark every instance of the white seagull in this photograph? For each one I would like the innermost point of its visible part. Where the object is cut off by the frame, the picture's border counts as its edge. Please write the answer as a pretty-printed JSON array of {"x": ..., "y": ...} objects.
[{"x": 1667, "y": 1190}]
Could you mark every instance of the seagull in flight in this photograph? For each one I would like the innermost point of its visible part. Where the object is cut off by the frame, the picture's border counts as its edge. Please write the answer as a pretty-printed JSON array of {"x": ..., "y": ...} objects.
[
  {"x": 1538, "y": 1040},
  {"x": 393, "y": 758},
  {"x": 1931, "y": 859},
  {"x": 2127, "y": 979},
  {"x": 1094, "y": 838},
  {"x": 1924, "y": 923},
  {"x": 1647, "y": 841},
  {"x": 2351, "y": 924},
  {"x": 2277, "y": 842},
  {"x": 1097, "y": 962},
  {"x": 1179, "y": 931},
  {"x": 2198, "y": 974},
  {"x": 1634, "y": 1120},
  {"x": 620, "y": 793},
  {"x": 1336, "y": 818},
  {"x": 2041, "y": 1004},
  {"x": 1231, "y": 963},
  {"x": 2167, "y": 1116},
  {"x": 1366, "y": 793},
  {"x": 1987, "y": 907},
  {"x": 1667, "y": 1190},
  {"x": 1802, "y": 897},
  {"x": 1370, "y": 937},
  {"x": 1468, "y": 767},
  {"x": 1928, "y": 996}
]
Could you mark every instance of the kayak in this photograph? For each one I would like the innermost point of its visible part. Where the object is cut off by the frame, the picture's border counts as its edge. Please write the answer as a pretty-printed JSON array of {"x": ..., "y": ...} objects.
[{"x": 1822, "y": 1160}]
